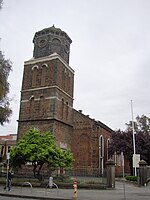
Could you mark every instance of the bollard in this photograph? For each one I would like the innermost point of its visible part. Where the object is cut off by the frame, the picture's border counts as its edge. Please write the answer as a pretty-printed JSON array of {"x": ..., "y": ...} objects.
[
  {"x": 75, "y": 188},
  {"x": 50, "y": 184}
]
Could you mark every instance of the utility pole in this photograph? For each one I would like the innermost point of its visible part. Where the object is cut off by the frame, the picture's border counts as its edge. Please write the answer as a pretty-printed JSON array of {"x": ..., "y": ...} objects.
[{"x": 134, "y": 152}]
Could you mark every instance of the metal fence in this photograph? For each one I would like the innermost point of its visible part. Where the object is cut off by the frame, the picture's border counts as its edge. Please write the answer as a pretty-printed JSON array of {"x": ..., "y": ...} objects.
[
  {"x": 83, "y": 171},
  {"x": 78, "y": 171},
  {"x": 82, "y": 174}
]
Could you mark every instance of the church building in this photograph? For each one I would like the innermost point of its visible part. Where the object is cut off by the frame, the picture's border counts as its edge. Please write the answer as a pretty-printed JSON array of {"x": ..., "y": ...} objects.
[{"x": 47, "y": 102}]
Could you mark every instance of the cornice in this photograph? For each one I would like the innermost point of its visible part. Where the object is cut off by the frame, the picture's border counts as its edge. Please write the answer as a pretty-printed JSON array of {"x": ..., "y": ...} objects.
[{"x": 53, "y": 56}]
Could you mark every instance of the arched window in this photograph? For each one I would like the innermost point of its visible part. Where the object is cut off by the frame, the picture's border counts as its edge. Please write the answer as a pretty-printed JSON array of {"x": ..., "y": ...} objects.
[
  {"x": 34, "y": 75},
  {"x": 43, "y": 78},
  {"x": 69, "y": 81},
  {"x": 108, "y": 144},
  {"x": 67, "y": 108},
  {"x": 8, "y": 149},
  {"x": 101, "y": 146},
  {"x": 56, "y": 42},
  {"x": 31, "y": 106},
  {"x": 64, "y": 79},
  {"x": 62, "y": 108},
  {"x": 2, "y": 150},
  {"x": 41, "y": 106},
  {"x": 56, "y": 46},
  {"x": 101, "y": 154},
  {"x": 119, "y": 159}
]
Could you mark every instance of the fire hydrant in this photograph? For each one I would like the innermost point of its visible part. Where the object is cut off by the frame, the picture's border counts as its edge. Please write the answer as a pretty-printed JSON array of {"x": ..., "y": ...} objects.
[{"x": 75, "y": 188}]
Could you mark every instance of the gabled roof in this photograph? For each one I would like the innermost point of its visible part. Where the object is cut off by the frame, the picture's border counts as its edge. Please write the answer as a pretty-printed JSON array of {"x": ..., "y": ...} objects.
[{"x": 96, "y": 122}]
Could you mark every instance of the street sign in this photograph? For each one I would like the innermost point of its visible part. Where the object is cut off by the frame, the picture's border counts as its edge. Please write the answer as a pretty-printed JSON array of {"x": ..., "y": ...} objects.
[
  {"x": 122, "y": 159},
  {"x": 136, "y": 160},
  {"x": 8, "y": 156}
]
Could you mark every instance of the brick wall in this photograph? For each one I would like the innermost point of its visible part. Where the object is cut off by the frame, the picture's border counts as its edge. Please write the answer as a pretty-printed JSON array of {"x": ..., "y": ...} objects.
[{"x": 85, "y": 145}]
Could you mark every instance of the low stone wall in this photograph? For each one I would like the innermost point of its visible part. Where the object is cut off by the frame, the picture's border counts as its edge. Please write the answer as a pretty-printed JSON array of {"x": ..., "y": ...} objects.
[{"x": 148, "y": 172}]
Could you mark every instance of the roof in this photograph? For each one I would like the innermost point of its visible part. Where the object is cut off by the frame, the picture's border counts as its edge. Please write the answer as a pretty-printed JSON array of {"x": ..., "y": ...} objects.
[
  {"x": 8, "y": 137},
  {"x": 97, "y": 122},
  {"x": 53, "y": 31}
]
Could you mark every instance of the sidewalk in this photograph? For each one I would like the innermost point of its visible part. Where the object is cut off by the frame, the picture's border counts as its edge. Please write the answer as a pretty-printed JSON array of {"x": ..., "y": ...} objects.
[{"x": 131, "y": 193}]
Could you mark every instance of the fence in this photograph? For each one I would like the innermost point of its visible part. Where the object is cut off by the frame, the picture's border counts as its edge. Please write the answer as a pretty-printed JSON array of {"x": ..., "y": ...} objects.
[
  {"x": 73, "y": 172},
  {"x": 83, "y": 171}
]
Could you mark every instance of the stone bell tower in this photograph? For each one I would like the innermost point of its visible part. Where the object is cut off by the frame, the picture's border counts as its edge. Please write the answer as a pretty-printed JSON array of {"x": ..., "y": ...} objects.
[
  {"x": 50, "y": 40},
  {"x": 47, "y": 87}
]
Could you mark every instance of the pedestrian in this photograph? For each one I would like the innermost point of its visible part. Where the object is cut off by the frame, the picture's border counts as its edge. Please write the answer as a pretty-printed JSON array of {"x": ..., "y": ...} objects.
[{"x": 8, "y": 181}]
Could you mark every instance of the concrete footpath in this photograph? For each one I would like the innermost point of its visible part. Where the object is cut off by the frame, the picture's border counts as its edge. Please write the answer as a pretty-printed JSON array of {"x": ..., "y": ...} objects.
[{"x": 121, "y": 192}]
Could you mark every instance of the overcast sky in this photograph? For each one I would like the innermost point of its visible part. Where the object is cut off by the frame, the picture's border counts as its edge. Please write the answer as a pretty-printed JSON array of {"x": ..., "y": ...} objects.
[{"x": 110, "y": 53}]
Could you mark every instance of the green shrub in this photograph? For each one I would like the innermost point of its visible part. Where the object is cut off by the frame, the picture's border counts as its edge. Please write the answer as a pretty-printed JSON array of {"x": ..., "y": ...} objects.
[{"x": 131, "y": 178}]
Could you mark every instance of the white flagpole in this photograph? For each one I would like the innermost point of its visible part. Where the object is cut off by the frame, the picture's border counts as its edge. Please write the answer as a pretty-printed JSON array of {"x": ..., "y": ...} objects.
[{"x": 134, "y": 152}]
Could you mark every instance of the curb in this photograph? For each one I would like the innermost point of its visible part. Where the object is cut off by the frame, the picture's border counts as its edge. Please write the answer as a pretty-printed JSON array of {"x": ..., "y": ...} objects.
[{"x": 34, "y": 197}]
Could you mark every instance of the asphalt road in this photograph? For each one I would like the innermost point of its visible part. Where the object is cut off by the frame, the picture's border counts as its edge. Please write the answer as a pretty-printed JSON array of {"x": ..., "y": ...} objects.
[{"x": 10, "y": 198}]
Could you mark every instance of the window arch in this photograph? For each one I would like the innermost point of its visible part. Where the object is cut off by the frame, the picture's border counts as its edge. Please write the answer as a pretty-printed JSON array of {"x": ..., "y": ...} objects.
[
  {"x": 45, "y": 65},
  {"x": 35, "y": 67},
  {"x": 31, "y": 98},
  {"x": 56, "y": 42}
]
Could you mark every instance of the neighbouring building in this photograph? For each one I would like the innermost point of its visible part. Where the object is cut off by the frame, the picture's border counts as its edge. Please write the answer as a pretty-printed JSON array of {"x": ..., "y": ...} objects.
[
  {"x": 47, "y": 102},
  {"x": 6, "y": 143}
]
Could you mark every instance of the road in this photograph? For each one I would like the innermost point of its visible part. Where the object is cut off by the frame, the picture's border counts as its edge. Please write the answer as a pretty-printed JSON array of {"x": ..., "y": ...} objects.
[{"x": 10, "y": 198}]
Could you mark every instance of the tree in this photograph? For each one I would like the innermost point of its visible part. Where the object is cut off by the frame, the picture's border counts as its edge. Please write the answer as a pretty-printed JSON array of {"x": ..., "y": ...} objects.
[
  {"x": 39, "y": 149},
  {"x": 142, "y": 124},
  {"x": 5, "y": 68},
  {"x": 122, "y": 141},
  {"x": 1, "y": 3},
  {"x": 143, "y": 145}
]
